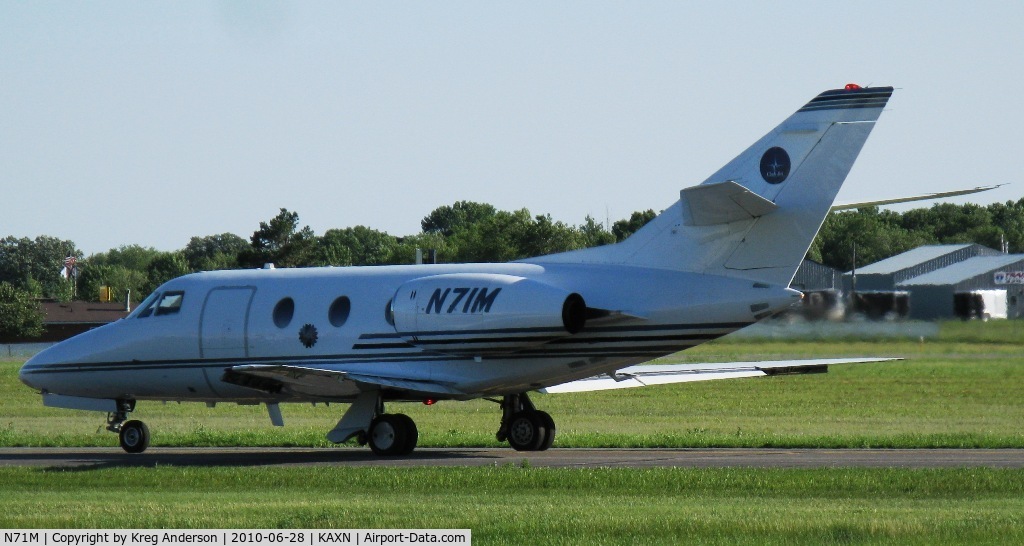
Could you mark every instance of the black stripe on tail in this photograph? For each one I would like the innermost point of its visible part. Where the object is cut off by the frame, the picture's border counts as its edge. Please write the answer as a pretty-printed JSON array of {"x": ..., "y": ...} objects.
[{"x": 839, "y": 99}]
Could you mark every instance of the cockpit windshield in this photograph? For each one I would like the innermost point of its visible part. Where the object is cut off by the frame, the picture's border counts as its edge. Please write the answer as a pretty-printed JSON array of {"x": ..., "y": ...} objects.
[
  {"x": 160, "y": 303},
  {"x": 146, "y": 307}
]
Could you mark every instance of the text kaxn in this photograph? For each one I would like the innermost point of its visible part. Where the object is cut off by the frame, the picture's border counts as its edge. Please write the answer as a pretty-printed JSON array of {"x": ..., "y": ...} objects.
[{"x": 472, "y": 300}]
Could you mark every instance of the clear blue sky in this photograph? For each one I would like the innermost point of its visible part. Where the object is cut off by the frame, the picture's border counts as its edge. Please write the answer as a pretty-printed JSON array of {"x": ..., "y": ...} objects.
[{"x": 149, "y": 123}]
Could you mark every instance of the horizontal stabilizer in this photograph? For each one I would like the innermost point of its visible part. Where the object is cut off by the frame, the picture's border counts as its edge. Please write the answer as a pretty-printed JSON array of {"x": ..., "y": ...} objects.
[
  {"x": 722, "y": 203},
  {"x": 644, "y": 376}
]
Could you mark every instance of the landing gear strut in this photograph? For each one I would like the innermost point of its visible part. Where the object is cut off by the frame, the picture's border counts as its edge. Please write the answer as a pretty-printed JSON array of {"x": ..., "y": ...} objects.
[
  {"x": 387, "y": 433},
  {"x": 525, "y": 427},
  {"x": 134, "y": 434}
]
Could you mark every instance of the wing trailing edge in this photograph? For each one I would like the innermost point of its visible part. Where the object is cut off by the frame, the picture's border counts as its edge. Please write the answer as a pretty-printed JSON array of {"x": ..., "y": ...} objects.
[
  {"x": 645, "y": 376},
  {"x": 276, "y": 378}
]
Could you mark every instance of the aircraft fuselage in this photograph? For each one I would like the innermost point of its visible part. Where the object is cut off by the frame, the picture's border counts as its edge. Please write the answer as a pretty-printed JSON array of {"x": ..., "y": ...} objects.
[{"x": 343, "y": 319}]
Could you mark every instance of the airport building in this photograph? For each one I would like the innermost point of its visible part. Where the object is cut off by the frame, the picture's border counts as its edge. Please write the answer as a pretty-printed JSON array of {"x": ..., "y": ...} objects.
[
  {"x": 940, "y": 282},
  {"x": 822, "y": 287},
  {"x": 980, "y": 287},
  {"x": 64, "y": 320},
  {"x": 815, "y": 277},
  {"x": 886, "y": 274}
]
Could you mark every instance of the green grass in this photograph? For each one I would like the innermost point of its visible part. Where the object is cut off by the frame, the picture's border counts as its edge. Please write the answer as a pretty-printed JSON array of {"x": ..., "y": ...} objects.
[
  {"x": 958, "y": 389},
  {"x": 516, "y": 505}
]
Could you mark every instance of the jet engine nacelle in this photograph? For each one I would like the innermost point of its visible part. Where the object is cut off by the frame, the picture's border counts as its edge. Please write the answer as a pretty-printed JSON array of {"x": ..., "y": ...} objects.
[{"x": 480, "y": 314}]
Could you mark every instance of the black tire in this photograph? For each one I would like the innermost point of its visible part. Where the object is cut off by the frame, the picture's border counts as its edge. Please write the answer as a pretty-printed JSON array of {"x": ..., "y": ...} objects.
[
  {"x": 549, "y": 430},
  {"x": 134, "y": 436},
  {"x": 412, "y": 434},
  {"x": 526, "y": 431},
  {"x": 388, "y": 435}
]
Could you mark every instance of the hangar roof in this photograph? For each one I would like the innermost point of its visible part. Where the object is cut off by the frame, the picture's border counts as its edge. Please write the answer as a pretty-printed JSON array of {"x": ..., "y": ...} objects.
[
  {"x": 961, "y": 271},
  {"x": 910, "y": 258}
]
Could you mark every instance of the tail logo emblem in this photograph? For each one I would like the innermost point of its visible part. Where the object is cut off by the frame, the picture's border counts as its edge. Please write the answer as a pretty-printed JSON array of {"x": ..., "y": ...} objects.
[{"x": 775, "y": 165}]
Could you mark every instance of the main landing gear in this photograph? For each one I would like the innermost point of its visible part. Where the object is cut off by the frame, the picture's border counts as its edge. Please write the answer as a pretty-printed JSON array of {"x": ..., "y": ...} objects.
[
  {"x": 134, "y": 434},
  {"x": 392, "y": 434},
  {"x": 387, "y": 433},
  {"x": 525, "y": 427}
]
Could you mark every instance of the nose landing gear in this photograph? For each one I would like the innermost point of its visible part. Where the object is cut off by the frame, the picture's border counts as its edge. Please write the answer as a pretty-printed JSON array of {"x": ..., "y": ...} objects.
[{"x": 134, "y": 434}]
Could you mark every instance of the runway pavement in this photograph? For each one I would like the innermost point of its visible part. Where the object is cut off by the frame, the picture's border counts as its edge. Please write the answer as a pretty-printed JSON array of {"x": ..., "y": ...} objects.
[{"x": 556, "y": 458}]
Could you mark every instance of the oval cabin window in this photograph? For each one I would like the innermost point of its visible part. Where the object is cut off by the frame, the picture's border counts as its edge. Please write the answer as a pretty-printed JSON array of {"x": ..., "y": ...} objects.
[
  {"x": 338, "y": 313},
  {"x": 283, "y": 312}
]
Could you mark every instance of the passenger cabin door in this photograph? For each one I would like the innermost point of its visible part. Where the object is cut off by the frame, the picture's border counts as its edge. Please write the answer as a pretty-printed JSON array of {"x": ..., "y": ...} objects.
[{"x": 223, "y": 327}]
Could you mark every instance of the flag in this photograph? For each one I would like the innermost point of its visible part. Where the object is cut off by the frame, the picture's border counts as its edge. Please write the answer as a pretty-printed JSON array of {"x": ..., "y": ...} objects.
[{"x": 69, "y": 267}]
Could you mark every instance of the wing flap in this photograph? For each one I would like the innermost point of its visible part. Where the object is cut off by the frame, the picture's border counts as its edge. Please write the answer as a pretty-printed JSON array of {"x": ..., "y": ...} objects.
[
  {"x": 663, "y": 374},
  {"x": 275, "y": 378},
  {"x": 412, "y": 385}
]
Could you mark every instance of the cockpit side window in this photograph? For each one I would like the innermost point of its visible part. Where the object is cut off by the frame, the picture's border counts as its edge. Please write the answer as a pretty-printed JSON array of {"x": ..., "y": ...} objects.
[{"x": 170, "y": 303}]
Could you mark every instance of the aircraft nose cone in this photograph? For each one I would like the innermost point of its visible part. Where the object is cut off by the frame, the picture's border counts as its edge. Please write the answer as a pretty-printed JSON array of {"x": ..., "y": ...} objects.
[
  {"x": 33, "y": 372},
  {"x": 58, "y": 369},
  {"x": 26, "y": 376}
]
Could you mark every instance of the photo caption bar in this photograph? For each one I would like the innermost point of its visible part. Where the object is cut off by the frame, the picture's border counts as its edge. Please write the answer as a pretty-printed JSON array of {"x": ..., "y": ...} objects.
[{"x": 234, "y": 537}]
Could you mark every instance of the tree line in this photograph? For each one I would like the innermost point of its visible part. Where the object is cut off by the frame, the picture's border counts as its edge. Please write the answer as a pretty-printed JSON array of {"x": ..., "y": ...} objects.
[
  {"x": 459, "y": 233},
  {"x": 462, "y": 232},
  {"x": 879, "y": 234}
]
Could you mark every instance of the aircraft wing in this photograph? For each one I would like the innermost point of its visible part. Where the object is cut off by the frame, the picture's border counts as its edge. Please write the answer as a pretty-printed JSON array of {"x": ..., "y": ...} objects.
[
  {"x": 646, "y": 375},
  {"x": 276, "y": 378},
  {"x": 925, "y": 197}
]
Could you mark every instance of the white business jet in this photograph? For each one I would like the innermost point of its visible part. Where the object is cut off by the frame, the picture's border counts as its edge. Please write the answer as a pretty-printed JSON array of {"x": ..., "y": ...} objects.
[{"x": 719, "y": 259}]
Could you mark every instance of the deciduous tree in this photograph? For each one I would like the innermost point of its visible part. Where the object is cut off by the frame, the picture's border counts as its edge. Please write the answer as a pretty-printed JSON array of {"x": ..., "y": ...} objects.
[
  {"x": 358, "y": 245},
  {"x": 282, "y": 242},
  {"x": 624, "y": 228},
  {"x": 214, "y": 252},
  {"x": 20, "y": 316},
  {"x": 164, "y": 267}
]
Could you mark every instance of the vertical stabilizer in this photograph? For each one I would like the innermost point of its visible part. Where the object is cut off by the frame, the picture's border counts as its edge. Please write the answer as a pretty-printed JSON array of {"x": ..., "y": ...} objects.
[{"x": 756, "y": 217}]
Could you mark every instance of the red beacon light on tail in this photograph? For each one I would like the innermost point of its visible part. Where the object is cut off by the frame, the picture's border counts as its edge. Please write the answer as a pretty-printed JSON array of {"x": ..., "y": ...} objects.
[{"x": 852, "y": 87}]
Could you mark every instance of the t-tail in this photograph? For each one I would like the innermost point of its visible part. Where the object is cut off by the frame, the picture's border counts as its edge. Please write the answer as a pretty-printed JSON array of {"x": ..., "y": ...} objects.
[{"x": 757, "y": 216}]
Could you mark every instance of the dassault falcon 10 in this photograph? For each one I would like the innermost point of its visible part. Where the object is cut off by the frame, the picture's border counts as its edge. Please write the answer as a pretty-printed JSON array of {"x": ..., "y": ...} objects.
[{"x": 720, "y": 258}]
